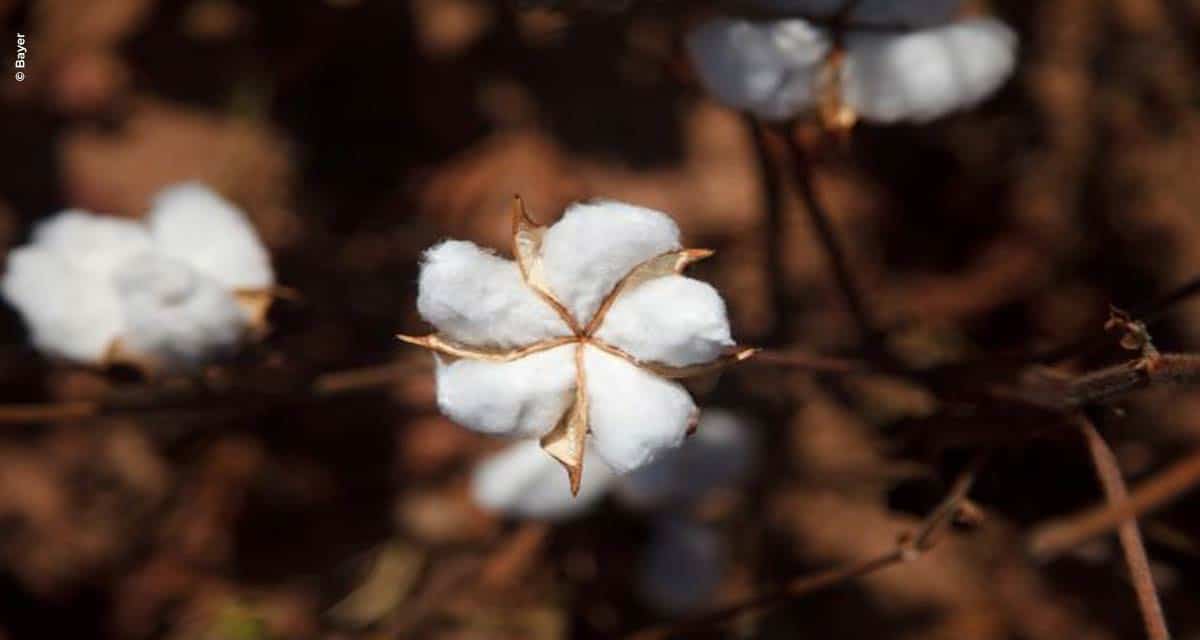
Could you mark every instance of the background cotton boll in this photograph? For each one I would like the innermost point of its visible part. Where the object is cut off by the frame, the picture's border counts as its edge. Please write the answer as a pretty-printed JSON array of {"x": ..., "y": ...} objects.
[
  {"x": 910, "y": 13},
  {"x": 96, "y": 244},
  {"x": 767, "y": 68},
  {"x": 478, "y": 298},
  {"x": 193, "y": 224},
  {"x": 525, "y": 482},
  {"x": 923, "y": 75},
  {"x": 673, "y": 319},
  {"x": 718, "y": 455},
  {"x": 525, "y": 397},
  {"x": 175, "y": 314},
  {"x": 69, "y": 313},
  {"x": 634, "y": 414},
  {"x": 596, "y": 244},
  {"x": 682, "y": 567}
]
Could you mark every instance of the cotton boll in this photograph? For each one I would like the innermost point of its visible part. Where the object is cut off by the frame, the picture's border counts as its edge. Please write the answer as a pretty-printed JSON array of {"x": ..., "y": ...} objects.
[
  {"x": 719, "y": 455},
  {"x": 635, "y": 415},
  {"x": 907, "y": 13},
  {"x": 525, "y": 482},
  {"x": 477, "y": 298},
  {"x": 682, "y": 567},
  {"x": 192, "y": 224},
  {"x": 175, "y": 314},
  {"x": 595, "y": 245},
  {"x": 70, "y": 313},
  {"x": 767, "y": 68},
  {"x": 673, "y": 320},
  {"x": 922, "y": 75},
  {"x": 94, "y": 244},
  {"x": 525, "y": 397}
]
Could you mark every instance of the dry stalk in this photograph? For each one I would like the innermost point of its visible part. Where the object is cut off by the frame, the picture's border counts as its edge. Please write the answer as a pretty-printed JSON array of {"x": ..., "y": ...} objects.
[{"x": 1115, "y": 492}]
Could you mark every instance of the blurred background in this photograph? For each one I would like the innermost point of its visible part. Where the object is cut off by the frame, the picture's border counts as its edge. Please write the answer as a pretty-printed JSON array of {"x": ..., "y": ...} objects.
[{"x": 355, "y": 133}]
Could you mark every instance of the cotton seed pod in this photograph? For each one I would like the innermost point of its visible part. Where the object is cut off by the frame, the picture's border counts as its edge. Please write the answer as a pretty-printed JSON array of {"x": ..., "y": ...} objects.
[
  {"x": 780, "y": 69},
  {"x": 173, "y": 292},
  {"x": 581, "y": 340}
]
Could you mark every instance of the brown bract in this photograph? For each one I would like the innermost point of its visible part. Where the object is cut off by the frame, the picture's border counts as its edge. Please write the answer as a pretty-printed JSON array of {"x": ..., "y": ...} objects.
[{"x": 566, "y": 442}]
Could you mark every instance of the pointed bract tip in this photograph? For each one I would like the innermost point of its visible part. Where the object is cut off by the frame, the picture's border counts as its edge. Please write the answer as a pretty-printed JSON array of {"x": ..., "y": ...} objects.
[
  {"x": 745, "y": 354},
  {"x": 419, "y": 341},
  {"x": 575, "y": 475}
]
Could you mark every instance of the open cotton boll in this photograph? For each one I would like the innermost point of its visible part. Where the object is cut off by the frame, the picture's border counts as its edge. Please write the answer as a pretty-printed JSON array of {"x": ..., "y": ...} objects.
[
  {"x": 682, "y": 567},
  {"x": 673, "y": 320},
  {"x": 70, "y": 313},
  {"x": 477, "y": 298},
  {"x": 769, "y": 69},
  {"x": 93, "y": 243},
  {"x": 634, "y": 415},
  {"x": 174, "y": 314},
  {"x": 719, "y": 455},
  {"x": 898, "y": 13},
  {"x": 192, "y": 224},
  {"x": 594, "y": 245},
  {"x": 522, "y": 481},
  {"x": 525, "y": 397},
  {"x": 925, "y": 74}
]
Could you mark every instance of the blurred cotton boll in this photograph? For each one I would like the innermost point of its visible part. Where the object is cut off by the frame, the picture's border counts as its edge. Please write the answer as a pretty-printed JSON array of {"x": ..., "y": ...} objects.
[
  {"x": 191, "y": 223},
  {"x": 769, "y": 69},
  {"x": 926, "y": 74},
  {"x": 781, "y": 69},
  {"x": 175, "y": 314},
  {"x": 682, "y": 567},
  {"x": 720, "y": 455},
  {"x": 523, "y": 482},
  {"x": 163, "y": 295}
]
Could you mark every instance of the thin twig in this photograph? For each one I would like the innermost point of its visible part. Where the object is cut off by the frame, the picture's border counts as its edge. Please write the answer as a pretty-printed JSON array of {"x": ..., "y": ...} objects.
[
  {"x": 49, "y": 412},
  {"x": 909, "y": 547},
  {"x": 810, "y": 362},
  {"x": 1108, "y": 384},
  {"x": 819, "y": 217},
  {"x": 772, "y": 193},
  {"x": 1115, "y": 492},
  {"x": 371, "y": 377},
  {"x": 1059, "y": 535}
]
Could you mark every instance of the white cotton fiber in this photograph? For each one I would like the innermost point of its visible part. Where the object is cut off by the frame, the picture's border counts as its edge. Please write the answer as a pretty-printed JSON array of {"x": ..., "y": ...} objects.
[
  {"x": 478, "y": 298},
  {"x": 596, "y": 244},
  {"x": 682, "y": 567},
  {"x": 525, "y": 397},
  {"x": 719, "y": 455},
  {"x": 673, "y": 320},
  {"x": 192, "y": 224},
  {"x": 906, "y": 13},
  {"x": 635, "y": 415},
  {"x": 95, "y": 244},
  {"x": 70, "y": 313},
  {"x": 769, "y": 68},
  {"x": 175, "y": 314},
  {"x": 925, "y": 74},
  {"x": 525, "y": 482}
]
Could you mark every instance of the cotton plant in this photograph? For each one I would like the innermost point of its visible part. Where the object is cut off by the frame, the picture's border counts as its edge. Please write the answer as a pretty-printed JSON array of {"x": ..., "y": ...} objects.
[
  {"x": 883, "y": 61},
  {"x": 178, "y": 289},
  {"x": 684, "y": 561},
  {"x": 581, "y": 341}
]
